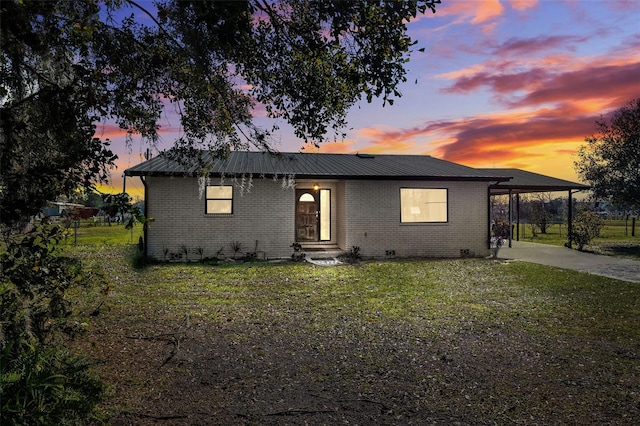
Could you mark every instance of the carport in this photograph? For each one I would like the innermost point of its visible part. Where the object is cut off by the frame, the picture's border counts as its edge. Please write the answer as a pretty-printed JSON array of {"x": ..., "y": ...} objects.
[{"x": 523, "y": 182}]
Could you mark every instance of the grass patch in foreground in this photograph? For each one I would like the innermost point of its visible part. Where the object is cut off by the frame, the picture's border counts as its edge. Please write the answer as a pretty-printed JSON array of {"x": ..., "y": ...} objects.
[{"x": 468, "y": 341}]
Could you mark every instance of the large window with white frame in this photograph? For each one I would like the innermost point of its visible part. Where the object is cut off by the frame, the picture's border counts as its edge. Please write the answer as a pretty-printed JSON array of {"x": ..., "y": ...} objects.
[
  {"x": 219, "y": 199},
  {"x": 423, "y": 205}
]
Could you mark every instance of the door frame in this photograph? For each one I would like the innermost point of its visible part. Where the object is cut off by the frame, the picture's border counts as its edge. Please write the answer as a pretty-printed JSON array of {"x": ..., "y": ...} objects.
[{"x": 317, "y": 195}]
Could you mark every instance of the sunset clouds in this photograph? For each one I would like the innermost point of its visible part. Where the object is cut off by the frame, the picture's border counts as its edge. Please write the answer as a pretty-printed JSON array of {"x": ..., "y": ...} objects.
[
  {"x": 515, "y": 83},
  {"x": 521, "y": 85},
  {"x": 563, "y": 95}
]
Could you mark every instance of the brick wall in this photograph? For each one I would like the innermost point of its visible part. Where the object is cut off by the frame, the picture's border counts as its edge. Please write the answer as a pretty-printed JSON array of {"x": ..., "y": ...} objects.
[
  {"x": 265, "y": 214},
  {"x": 365, "y": 214},
  {"x": 375, "y": 234}
]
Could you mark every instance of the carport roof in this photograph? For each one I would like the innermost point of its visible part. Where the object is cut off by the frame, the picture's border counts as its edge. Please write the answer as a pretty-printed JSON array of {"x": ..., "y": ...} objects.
[{"x": 527, "y": 182}]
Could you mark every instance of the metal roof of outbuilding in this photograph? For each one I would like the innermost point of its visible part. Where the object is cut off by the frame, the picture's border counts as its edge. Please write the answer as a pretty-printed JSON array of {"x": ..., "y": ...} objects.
[{"x": 319, "y": 166}]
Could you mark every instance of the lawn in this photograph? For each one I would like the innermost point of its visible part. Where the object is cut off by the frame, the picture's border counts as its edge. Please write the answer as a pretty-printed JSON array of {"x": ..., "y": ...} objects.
[
  {"x": 466, "y": 341},
  {"x": 615, "y": 239},
  {"x": 89, "y": 234}
]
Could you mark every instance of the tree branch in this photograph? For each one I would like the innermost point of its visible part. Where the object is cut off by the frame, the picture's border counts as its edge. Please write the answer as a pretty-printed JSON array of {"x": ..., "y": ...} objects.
[{"x": 155, "y": 20}]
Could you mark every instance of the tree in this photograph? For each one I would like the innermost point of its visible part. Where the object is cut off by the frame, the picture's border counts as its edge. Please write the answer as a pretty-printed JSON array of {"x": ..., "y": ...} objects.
[
  {"x": 543, "y": 211},
  {"x": 610, "y": 160},
  {"x": 67, "y": 65}
]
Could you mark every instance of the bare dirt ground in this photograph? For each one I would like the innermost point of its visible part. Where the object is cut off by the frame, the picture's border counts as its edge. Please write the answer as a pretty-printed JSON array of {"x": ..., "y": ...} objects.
[
  {"x": 265, "y": 374},
  {"x": 295, "y": 361}
]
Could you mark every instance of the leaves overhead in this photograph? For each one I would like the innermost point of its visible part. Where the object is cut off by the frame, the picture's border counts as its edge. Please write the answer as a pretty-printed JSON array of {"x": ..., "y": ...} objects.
[
  {"x": 68, "y": 65},
  {"x": 610, "y": 160}
]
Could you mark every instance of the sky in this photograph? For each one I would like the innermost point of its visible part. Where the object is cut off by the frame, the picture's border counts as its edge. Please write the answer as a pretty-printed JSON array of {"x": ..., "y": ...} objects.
[{"x": 501, "y": 83}]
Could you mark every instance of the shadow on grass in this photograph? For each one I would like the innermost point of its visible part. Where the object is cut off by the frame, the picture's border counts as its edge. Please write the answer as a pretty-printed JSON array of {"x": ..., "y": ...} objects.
[{"x": 630, "y": 250}]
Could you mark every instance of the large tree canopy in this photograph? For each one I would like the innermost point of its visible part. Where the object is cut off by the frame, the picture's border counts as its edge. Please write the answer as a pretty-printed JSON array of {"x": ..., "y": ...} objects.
[
  {"x": 610, "y": 161},
  {"x": 67, "y": 65}
]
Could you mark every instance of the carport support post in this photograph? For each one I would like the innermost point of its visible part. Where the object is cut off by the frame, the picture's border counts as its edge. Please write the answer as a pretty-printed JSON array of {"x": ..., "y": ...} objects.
[
  {"x": 510, "y": 217},
  {"x": 570, "y": 220},
  {"x": 518, "y": 216}
]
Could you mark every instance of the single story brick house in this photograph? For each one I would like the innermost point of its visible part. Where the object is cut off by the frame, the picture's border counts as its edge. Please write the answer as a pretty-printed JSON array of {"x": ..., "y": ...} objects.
[{"x": 387, "y": 205}]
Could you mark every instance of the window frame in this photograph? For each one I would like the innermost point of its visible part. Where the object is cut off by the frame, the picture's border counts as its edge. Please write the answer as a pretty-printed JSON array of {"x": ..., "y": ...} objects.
[
  {"x": 207, "y": 199},
  {"x": 446, "y": 203}
]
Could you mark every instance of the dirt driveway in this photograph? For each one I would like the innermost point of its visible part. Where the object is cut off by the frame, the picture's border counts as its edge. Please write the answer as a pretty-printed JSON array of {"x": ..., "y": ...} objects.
[{"x": 562, "y": 257}]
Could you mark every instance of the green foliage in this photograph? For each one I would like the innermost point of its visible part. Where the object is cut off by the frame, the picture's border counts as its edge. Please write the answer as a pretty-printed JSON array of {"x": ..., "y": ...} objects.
[
  {"x": 67, "y": 65},
  {"x": 34, "y": 281},
  {"x": 117, "y": 203},
  {"x": 610, "y": 160},
  {"x": 46, "y": 387},
  {"x": 49, "y": 103},
  {"x": 586, "y": 226},
  {"x": 322, "y": 56},
  {"x": 40, "y": 382}
]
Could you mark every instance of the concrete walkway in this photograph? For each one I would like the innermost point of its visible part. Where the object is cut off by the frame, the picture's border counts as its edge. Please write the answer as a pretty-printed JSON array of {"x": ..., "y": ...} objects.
[{"x": 562, "y": 257}]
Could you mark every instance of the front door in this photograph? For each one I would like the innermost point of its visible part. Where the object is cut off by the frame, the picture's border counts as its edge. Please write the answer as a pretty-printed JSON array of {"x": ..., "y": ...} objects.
[{"x": 313, "y": 221}]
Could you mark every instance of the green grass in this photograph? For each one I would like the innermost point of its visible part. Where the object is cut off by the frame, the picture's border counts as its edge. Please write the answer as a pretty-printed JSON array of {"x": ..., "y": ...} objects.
[
  {"x": 87, "y": 234},
  {"x": 469, "y": 338},
  {"x": 615, "y": 238}
]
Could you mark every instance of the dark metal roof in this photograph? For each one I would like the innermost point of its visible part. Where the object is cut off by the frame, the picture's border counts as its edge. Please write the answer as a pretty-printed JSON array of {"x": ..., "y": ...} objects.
[
  {"x": 524, "y": 182},
  {"x": 319, "y": 166}
]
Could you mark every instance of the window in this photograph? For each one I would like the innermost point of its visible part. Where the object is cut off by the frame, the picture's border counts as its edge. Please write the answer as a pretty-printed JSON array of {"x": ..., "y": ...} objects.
[
  {"x": 325, "y": 214},
  {"x": 423, "y": 205},
  {"x": 219, "y": 199}
]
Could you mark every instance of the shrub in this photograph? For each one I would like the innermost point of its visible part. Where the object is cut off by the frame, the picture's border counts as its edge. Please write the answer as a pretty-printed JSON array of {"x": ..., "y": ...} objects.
[
  {"x": 500, "y": 230},
  {"x": 47, "y": 387},
  {"x": 236, "y": 247},
  {"x": 185, "y": 250},
  {"x": 298, "y": 255},
  {"x": 352, "y": 255},
  {"x": 139, "y": 260},
  {"x": 250, "y": 256},
  {"x": 586, "y": 226},
  {"x": 41, "y": 382}
]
